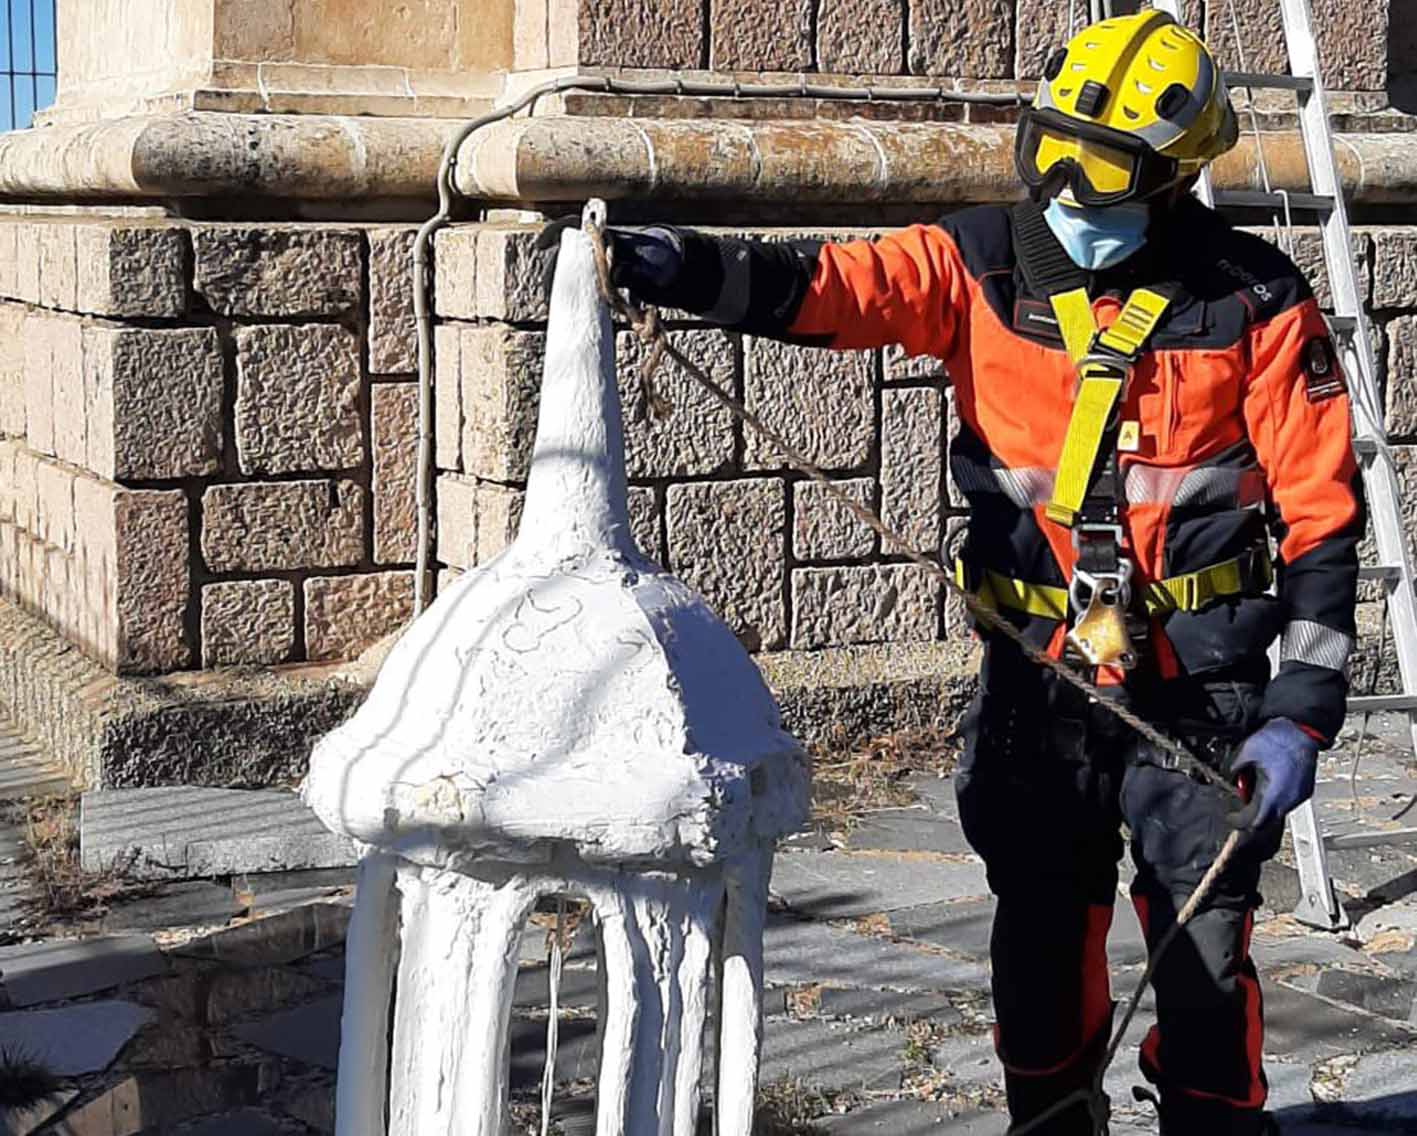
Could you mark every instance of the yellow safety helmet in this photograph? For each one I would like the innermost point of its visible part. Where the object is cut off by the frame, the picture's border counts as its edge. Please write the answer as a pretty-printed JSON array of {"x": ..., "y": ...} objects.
[{"x": 1132, "y": 106}]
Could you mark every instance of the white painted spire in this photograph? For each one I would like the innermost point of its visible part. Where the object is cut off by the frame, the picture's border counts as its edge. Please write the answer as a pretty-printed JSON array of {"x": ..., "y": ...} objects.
[
  {"x": 570, "y": 693},
  {"x": 576, "y": 499}
]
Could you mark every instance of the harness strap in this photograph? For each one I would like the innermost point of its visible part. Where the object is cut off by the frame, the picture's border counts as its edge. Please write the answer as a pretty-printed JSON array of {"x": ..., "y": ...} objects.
[
  {"x": 1073, "y": 311},
  {"x": 1246, "y": 575},
  {"x": 1104, "y": 368}
]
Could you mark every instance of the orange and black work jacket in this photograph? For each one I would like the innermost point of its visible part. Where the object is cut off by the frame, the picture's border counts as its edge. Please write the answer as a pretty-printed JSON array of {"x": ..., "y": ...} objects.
[{"x": 1243, "y": 415}]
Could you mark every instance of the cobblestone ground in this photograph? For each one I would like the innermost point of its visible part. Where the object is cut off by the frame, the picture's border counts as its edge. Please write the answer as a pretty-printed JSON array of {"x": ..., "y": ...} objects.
[{"x": 180, "y": 1012}]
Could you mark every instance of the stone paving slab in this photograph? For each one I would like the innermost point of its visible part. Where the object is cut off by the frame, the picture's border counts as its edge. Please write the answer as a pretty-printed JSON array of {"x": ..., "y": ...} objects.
[
  {"x": 189, "y": 903},
  {"x": 1308, "y": 1029},
  {"x": 49, "y": 972},
  {"x": 1278, "y": 954},
  {"x": 883, "y": 1007},
  {"x": 274, "y": 939},
  {"x": 189, "y": 832},
  {"x": 1392, "y": 998},
  {"x": 73, "y": 1040},
  {"x": 833, "y": 1056},
  {"x": 577, "y": 1054},
  {"x": 533, "y": 988},
  {"x": 908, "y": 830},
  {"x": 309, "y": 1033},
  {"x": 964, "y": 926},
  {"x": 840, "y": 885},
  {"x": 969, "y": 1061},
  {"x": 800, "y": 952},
  {"x": 1381, "y": 1089}
]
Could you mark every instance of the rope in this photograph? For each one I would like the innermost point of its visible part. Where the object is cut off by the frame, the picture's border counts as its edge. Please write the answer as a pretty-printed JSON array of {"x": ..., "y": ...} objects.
[
  {"x": 645, "y": 323},
  {"x": 1095, "y": 1098},
  {"x": 527, "y": 101}
]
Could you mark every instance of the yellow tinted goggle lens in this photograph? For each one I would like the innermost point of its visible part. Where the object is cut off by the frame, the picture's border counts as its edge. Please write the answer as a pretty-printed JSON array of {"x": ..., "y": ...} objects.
[{"x": 1106, "y": 169}]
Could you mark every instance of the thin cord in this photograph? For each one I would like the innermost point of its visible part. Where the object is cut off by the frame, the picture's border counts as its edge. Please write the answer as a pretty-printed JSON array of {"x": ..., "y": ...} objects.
[
  {"x": 1095, "y": 1098},
  {"x": 553, "y": 1023},
  {"x": 645, "y": 322},
  {"x": 448, "y": 193}
]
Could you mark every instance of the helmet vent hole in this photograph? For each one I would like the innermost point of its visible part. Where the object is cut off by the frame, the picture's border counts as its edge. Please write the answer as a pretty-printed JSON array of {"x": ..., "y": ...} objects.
[
  {"x": 1130, "y": 113},
  {"x": 1173, "y": 102},
  {"x": 1064, "y": 92},
  {"x": 1145, "y": 88},
  {"x": 1156, "y": 64}
]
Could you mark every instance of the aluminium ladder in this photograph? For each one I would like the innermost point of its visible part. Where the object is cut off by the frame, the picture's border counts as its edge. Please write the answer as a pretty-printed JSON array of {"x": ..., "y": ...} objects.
[{"x": 1318, "y": 904}]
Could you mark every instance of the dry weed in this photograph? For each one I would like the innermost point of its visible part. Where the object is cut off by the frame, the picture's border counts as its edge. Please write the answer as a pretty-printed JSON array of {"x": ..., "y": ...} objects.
[
  {"x": 787, "y": 1107},
  {"x": 65, "y": 891},
  {"x": 852, "y": 781}
]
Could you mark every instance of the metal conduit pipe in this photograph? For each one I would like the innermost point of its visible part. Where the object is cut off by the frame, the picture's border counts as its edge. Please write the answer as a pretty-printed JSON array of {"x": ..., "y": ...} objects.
[
  {"x": 574, "y": 159},
  {"x": 448, "y": 189}
]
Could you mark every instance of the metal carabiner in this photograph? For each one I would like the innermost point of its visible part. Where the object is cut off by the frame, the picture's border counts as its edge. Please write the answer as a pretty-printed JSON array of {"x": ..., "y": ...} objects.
[{"x": 1100, "y": 634}]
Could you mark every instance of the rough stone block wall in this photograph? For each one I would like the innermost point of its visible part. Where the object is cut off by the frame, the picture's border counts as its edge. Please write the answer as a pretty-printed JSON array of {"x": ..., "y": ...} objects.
[
  {"x": 1366, "y": 45},
  {"x": 207, "y": 437},
  {"x": 208, "y": 441}
]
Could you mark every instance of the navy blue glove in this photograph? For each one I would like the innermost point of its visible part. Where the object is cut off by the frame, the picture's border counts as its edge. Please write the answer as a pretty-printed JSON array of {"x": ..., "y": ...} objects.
[
  {"x": 645, "y": 262},
  {"x": 1284, "y": 760}
]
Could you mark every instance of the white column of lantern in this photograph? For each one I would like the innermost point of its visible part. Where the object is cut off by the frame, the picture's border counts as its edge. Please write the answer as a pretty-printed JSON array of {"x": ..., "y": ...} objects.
[{"x": 568, "y": 719}]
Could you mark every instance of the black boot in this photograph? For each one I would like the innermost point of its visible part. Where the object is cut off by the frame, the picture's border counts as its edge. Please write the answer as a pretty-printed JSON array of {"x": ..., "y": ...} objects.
[
  {"x": 1183, "y": 1115},
  {"x": 1031, "y": 1097}
]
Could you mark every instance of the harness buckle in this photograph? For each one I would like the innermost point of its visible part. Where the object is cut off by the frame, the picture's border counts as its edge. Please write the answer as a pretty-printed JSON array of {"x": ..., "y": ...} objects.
[{"x": 1108, "y": 365}]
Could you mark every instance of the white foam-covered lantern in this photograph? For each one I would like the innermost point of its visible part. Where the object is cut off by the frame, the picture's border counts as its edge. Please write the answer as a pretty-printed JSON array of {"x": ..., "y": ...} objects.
[{"x": 567, "y": 720}]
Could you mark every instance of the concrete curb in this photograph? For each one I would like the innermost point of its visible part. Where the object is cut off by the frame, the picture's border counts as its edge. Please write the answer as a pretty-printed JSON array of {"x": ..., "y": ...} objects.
[
  {"x": 224, "y": 729},
  {"x": 254, "y": 728}
]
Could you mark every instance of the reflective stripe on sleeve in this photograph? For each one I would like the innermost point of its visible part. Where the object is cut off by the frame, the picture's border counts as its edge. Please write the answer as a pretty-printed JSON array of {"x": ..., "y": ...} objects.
[{"x": 1312, "y": 643}]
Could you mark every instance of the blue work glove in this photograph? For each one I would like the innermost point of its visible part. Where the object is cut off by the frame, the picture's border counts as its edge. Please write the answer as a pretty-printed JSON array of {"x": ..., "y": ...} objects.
[
  {"x": 1284, "y": 761},
  {"x": 645, "y": 262}
]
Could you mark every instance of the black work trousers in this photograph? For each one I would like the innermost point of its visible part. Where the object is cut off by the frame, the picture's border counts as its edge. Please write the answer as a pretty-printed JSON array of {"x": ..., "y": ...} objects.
[{"x": 1045, "y": 786}]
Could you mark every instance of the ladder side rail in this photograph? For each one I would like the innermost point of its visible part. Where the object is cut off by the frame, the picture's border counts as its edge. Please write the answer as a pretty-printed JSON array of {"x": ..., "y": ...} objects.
[
  {"x": 1325, "y": 180},
  {"x": 1319, "y": 905},
  {"x": 1356, "y": 349},
  {"x": 1205, "y": 186}
]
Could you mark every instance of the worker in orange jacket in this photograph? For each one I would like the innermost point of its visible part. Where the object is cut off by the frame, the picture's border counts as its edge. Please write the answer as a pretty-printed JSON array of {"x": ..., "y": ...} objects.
[{"x": 1146, "y": 396}]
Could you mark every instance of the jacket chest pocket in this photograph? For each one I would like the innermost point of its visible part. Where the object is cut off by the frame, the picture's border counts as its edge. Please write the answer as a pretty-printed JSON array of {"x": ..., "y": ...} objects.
[{"x": 1199, "y": 396}]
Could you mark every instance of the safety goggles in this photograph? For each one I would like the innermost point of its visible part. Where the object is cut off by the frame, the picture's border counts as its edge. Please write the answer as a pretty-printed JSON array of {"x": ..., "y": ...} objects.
[{"x": 1100, "y": 165}]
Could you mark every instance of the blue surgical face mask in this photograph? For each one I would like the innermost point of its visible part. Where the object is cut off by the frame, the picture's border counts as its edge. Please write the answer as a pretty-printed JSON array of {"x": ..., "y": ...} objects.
[{"x": 1099, "y": 238}]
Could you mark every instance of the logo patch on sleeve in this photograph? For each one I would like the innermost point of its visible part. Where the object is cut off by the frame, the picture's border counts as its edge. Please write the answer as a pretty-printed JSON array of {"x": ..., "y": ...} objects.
[{"x": 1322, "y": 377}]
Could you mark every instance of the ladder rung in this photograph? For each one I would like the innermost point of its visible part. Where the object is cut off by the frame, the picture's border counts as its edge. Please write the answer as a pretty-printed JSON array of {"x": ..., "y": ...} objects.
[
  {"x": 1343, "y": 325},
  {"x": 1379, "y": 572},
  {"x": 1365, "y": 447},
  {"x": 1267, "y": 81},
  {"x": 1377, "y": 703},
  {"x": 1257, "y": 199},
  {"x": 1371, "y": 839}
]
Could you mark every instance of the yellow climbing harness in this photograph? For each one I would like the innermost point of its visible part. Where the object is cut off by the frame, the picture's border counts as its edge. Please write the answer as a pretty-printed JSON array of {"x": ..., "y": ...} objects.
[{"x": 1104, "y": 361}]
